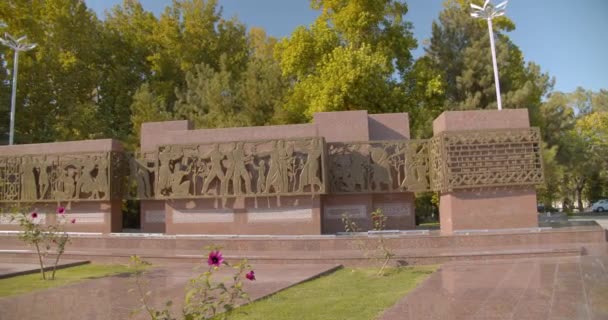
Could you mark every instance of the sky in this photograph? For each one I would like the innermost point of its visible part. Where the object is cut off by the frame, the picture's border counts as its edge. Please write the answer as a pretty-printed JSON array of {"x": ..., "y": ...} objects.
[{"x": 568, "y": 39}]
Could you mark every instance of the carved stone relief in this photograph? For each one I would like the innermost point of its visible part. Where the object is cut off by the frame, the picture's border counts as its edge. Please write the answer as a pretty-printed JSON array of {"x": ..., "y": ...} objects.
[
  {"x": 378, "y": 166},
  {"x": 55, "y": 177},
  {"x": 252, "y": 168}
]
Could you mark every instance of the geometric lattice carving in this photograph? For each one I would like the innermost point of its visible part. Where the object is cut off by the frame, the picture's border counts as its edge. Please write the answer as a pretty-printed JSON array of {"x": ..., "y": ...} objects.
[
  {"x": 243, "y": 168},
  {"x": 56, "y": 177},
  {"x": 486, "y": 158},
  {"x": 378, "y": 166}
]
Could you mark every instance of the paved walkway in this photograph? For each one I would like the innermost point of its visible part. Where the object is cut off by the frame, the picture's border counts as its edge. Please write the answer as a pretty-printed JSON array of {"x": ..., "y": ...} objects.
[
  {"x": 108, "y": 298},
  {"x": 568, "y": 288}
]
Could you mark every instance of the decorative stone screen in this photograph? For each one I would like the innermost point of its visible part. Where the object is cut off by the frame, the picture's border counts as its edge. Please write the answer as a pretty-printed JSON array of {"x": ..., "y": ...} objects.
[
  {"x": 59, "y": 177},
  {"x": 486, "y": 158},
  {"x": 378, "y": 166}
]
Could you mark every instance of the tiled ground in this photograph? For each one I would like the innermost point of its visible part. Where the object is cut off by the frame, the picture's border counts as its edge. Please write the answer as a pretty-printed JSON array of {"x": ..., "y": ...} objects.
[
  {"x": 544, "y": 288},
  {"x": 568, "y": 288},
  {"x": 108, "y": 298}
]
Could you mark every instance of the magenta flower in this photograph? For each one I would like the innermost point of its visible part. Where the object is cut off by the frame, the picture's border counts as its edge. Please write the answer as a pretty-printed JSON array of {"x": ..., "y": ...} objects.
[
  {"x": 215, "y": 258},
  {"x": 60, "y": 210},
  {"x": 34, "y": 215},
  {"x": 250, "y": 275},
  {"x": 73, "y": 220}
]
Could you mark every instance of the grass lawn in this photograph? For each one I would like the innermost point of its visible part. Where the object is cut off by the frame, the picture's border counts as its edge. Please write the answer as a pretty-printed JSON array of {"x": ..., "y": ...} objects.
[
  {"x": 26, "y": 283},
  {"x": 354, "y": 294}
]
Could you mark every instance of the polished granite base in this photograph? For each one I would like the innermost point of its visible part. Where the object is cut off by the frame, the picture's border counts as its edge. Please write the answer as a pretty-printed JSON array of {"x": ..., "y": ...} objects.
[{"x": 567, "y": 288}]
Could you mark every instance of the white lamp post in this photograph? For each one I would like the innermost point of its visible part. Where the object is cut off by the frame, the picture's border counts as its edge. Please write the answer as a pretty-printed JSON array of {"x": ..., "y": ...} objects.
[
  {"x": 17, "y": 45},
  {"x": 489, "y": 12}
]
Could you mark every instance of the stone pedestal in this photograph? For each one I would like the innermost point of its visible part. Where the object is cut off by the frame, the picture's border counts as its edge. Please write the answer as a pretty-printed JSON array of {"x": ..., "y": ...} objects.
[{"x": 483, "y": 208}]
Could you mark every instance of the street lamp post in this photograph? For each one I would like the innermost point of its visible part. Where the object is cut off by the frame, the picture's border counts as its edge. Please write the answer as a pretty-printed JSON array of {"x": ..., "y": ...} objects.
[
  {"x": 489, "y": 12},
  {"x": 17, "y": 45}
]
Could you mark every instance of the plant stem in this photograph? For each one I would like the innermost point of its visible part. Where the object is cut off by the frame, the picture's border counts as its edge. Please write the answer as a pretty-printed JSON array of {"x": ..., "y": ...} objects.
[
  {"x": 40, "y": 261},
  {"x": 55, "y": 265}
]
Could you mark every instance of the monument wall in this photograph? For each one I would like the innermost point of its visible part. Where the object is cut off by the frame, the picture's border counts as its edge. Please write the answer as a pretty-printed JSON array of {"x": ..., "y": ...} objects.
[
  {"x": 78, "y": 175},
  {"x": 289, "y": 179},
  {"x": 266, "y": 180}
]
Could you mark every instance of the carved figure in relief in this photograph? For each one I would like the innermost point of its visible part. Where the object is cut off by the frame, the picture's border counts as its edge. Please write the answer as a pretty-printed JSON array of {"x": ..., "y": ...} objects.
[
  {"x": 229, "y": 164},
  {"x": 381, "y": 174},
  {"x": 28, "y": 179},
  {"x": 277, "y": 178},
  {"x": 43, "y": 178},
  {"x": 261, "y": 173},
  {"x": 164, "y": 170},
  {"x": 67, "y": 182},
  {"x": 86, "y": 181},
  {"x": 180, "y": 183},
  {"x": 215, "y": 170},
  {"x": 240, "y": 172},
  {"x": 101, "y": 180},
  {"x": 310, "y": 170}
]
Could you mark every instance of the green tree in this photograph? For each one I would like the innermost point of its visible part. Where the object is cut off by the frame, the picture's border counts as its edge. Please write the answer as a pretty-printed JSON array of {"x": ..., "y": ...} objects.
[
  {"x": 57, "y": 80},
  {"x": 347, "y": 59},
  {"x": 459, "y": 50}
]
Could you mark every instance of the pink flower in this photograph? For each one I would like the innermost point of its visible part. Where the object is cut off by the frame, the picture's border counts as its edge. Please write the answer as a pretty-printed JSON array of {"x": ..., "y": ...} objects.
[
  {"x": 60, "y": 210},
  {"x": 34, "y": 215},
  {"x": 73, "y": 220},
  {"x": 250, "y": 275},
  {"x": 215, "y": 258}
]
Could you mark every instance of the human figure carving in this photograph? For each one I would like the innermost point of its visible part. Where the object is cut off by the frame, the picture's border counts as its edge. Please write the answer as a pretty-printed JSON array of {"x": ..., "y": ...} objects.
[
  {"x": 240, "y": 172},
  {"x": 86, "y": 182},
  {"x": 164, "y": 170},
  {"x": 215, "y": 170},
  {"x": 43, "y": 178},
  {"x": 277, "y": 178},
  {"x": 101, "y": 180},
  {"x": 261, "y": 173},
  {"x": 68, "y": 183},
  {"x": 310, "y": 170},
  {"x": 28, "y": 179},
  {"x": 180, "y": 186}
]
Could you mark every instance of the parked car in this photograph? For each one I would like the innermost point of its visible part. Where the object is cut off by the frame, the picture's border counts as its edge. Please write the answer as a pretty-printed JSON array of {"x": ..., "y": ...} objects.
[{"x": 600, "y": 206}]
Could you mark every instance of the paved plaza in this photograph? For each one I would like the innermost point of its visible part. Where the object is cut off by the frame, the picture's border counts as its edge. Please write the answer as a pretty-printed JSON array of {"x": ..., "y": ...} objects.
[
  {"x": 567, "y": 288},
  {"x": 108, "y": 298},
  {"x": 538, "y": 288}
]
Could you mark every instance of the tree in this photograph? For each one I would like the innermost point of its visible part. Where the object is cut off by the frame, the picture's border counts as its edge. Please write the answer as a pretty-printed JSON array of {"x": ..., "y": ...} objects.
[
  {"x": 459, "y": 51},
  {"x": 58, "y": 79},
  {"x": 351, "y": 57},
  {"x": 228, "y": 98}
]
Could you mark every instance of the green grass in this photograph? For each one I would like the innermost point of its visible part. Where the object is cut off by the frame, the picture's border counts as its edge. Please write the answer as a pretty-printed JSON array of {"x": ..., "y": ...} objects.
[
  {"x": 353, "y": 294},
  {"x": 26, "y": 283}
]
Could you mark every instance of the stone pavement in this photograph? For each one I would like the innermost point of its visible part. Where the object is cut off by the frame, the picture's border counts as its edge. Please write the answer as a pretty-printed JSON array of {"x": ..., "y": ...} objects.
[
  {"x": 108, "y": 298},
  {"x": 568, "y": 288}
]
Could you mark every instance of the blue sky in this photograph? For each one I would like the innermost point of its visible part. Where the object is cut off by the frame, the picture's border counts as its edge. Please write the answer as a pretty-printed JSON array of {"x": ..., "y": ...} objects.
[{"x": 569, "y": 39}]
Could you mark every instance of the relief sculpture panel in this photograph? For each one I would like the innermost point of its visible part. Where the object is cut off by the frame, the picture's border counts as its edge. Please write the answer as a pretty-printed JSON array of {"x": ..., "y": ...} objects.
[
  {"x": 55, "y": 177},
  {"x": 243, "y": 168},
  {"x": 378, "y": 166}
]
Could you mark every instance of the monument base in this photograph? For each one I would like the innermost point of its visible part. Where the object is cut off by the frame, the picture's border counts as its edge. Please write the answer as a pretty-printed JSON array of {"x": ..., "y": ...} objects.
[{"x": 500, "y": 208}]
